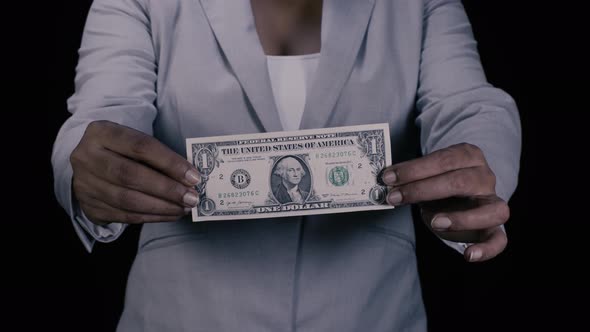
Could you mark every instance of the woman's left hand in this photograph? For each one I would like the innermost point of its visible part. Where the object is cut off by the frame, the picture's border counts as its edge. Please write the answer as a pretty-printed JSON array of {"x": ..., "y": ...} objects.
[{"x": 455, "y": 189}]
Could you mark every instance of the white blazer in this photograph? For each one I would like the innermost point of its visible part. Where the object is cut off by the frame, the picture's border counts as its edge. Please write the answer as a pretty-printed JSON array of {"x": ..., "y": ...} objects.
[{"x": 188, "y": 68}]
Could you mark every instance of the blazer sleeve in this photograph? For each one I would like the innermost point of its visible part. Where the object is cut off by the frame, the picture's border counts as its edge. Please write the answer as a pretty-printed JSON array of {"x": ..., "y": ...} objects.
[
  {"x": 456, "y": 104},
  {"x": 115, "y": 81}
]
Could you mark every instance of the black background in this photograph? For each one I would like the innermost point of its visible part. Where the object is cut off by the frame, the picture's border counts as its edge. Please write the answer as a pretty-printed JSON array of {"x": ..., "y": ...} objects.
[{"x": 527, "y": 48}]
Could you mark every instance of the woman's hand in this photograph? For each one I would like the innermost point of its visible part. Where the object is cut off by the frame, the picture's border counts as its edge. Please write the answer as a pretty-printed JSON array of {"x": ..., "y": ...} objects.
[
  {"x": 455, "y": 189},
  {"x": 123, "y": 175}
]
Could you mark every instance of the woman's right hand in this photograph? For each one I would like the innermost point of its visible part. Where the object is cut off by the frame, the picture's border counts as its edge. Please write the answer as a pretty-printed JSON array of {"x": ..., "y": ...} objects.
[{"x": 123, "y": 175}]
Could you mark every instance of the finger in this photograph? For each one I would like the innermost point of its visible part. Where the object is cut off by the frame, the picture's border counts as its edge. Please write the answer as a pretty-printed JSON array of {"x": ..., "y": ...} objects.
[
  {"x": 495, "y": 242},
  {"x": 91, "y": 187},
  {"x": 445, "y": 160},
  {"x": 474, "y": 181},
  {"x": 139, "y": 146},
  {"x": 102, "y": 213},
  {"x": 127, "y": 173},
  {"x": 482, "y": 217}
]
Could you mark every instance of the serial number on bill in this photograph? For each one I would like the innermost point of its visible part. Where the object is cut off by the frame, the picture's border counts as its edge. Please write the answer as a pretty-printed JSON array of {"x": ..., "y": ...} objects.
[
  {"x": 238, "y": 194},
  {"x": 337, "y": 154}
]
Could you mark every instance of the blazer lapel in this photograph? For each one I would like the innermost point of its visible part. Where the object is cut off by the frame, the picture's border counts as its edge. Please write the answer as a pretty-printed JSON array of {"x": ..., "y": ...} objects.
[
  {"x": 344, "y": 24},
  {"x": 232, "y": 23}
]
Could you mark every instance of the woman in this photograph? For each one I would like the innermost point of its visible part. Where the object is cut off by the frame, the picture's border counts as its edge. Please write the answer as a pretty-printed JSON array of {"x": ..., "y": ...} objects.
[{"x": 152, "y": 73}]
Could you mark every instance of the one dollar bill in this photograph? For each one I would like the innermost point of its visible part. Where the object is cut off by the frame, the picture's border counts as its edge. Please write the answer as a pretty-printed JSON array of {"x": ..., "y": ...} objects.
[{"x": 292, "y": 173}]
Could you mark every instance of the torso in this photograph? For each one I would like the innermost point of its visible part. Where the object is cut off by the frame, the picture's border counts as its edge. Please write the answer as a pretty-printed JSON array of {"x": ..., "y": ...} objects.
[
  {"x": 277, "y": 274},
  {"x": 288, "y": 27}
]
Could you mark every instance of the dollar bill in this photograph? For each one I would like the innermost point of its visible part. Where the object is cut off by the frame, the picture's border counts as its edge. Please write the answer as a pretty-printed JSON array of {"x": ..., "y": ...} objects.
[{"x": 294, "y": 173}]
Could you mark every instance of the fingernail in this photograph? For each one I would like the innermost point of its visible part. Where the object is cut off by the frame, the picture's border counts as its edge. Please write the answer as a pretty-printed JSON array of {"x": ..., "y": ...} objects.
[
  {"x": 395, "y": 197},
  {"x": 190, "y": 199},
  {"x": 441, "y": 223},
  {"x": 389, "y": 177},
  {"x": 475, "y": 255},
  {"x": 187, "y": 210},
  {"x": 192, "y": 177}
]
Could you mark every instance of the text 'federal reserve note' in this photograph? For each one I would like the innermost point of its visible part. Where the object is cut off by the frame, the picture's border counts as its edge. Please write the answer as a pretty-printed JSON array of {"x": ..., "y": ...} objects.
[{"x": 294, "y": 173}]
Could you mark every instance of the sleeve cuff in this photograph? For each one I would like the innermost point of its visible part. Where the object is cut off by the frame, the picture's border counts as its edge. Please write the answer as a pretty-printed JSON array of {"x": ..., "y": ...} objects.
[
  {"x": 460, "y": 247},
  {"x": 89, "y": 232}
]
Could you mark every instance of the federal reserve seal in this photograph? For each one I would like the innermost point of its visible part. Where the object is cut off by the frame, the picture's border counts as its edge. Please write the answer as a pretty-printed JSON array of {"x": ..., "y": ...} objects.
[
  {"x": 240, "y": 178},
  {"x": 338, "y": 176}
]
